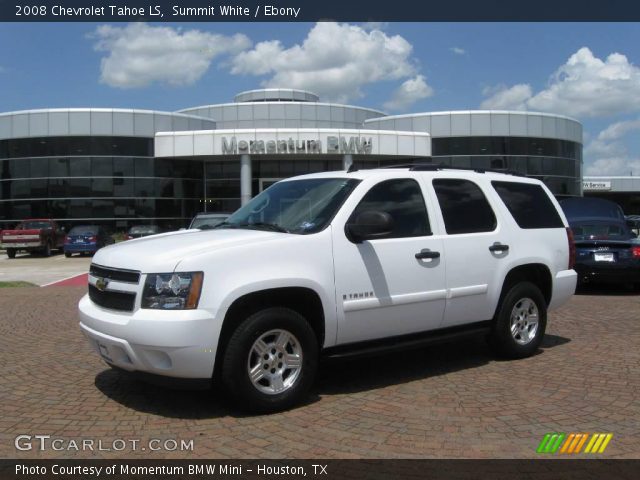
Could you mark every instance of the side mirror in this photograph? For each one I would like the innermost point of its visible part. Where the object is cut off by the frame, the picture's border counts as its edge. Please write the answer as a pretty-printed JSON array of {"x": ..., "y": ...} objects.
[{"x": 369, "y": 225}]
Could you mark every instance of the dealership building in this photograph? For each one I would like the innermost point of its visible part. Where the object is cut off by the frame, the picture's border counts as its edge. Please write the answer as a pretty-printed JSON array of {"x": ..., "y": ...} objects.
[{"x": 122, "y": 167}]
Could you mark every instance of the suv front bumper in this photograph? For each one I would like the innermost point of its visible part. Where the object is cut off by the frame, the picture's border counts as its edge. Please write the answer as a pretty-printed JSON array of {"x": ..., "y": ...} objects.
[{"x": 178, "y": 343}]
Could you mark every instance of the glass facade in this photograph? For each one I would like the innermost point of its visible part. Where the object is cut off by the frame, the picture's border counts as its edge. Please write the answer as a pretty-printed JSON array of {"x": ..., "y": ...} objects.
[
  {"x": 109, "y": 180},
  {"x": 99, "y": 166},
  {"x": 558, "y": 163}
]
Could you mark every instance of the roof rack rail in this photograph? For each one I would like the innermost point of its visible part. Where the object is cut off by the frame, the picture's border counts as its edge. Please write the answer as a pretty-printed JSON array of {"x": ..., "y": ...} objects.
[{"x": 432, "y": 167}]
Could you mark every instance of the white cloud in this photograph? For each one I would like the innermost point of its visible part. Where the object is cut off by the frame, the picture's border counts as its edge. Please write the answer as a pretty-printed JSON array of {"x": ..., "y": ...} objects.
[
  {"x": 408, "y": 93},
  {"x": 585, "y": 86},
  {"x": 607, "y": 154},
  {"x": 614, "y": 166},
  {"x": 618, "y": 130},
  {"x": 375, "y": 25},
  {"x": 335, "y": 60},
  {"x": 139, "y": 55},
  {"x": 458, "y": 50},
  {"x": 503, "y": 98}
]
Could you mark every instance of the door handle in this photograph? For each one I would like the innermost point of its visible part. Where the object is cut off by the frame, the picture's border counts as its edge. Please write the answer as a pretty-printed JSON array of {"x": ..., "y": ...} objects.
[
  {"x": 499, "y": 247},
  {"x": 427, "y": 254}
]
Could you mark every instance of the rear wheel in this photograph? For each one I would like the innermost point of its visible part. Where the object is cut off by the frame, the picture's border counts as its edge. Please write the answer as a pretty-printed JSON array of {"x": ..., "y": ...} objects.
[
  {"x": 11, "y": 252},
  {"x": 520, "y": 322},
  {"x": 47, "y": 250},
  {"x": 270, "y": 360},
  {"x": 67, "y": 254}
]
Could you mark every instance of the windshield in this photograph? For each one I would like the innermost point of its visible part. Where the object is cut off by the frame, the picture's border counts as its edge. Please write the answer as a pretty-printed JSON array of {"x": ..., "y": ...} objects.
[
  {"x": 88, "y": 230},
  {"x": 600, "y": 231},
  {"x": 35, "y": 225},
  {"x": 143, "y": 229},
  {"x": 210, "y": 221},
  {"x": 294, "y": 206}
]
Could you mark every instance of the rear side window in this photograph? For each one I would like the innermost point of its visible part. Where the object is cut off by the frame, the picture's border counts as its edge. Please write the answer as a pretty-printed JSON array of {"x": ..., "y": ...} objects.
[
  {"x": 464, "y": 207},
  {"x": 529, "y": 205},
  {"x": 403, "y": 200}
]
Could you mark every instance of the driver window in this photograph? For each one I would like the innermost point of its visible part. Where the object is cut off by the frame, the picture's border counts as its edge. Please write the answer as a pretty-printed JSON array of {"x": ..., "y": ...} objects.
[{"x": 403, "y": 200}]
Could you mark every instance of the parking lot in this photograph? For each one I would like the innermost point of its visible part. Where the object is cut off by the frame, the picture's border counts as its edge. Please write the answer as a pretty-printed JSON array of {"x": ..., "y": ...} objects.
[
  {"x": 452, "y": 400},
  {"x": 40, "y": 270}
]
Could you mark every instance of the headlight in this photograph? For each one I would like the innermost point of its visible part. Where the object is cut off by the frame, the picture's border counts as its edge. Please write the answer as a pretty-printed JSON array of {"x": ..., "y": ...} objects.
[{"x": 172, "y": 291}]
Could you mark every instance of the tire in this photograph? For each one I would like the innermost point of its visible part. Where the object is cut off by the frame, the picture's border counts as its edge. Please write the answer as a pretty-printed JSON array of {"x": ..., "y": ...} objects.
[
  {"x": 285, "y": 334},
  {"x": 514, "y": 334},
  {"x": 67, "y": 254},
  {"x": 11, "y": 252},
  {"x": 47, "y": 250}
]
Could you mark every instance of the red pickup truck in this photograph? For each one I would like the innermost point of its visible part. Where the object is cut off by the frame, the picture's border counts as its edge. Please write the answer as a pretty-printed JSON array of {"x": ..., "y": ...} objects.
[{"x": 33, "y": 235}]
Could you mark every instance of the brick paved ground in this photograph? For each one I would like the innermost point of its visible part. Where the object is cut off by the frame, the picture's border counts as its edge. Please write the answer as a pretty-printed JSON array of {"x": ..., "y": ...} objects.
[{"x": 447, "y": 401}]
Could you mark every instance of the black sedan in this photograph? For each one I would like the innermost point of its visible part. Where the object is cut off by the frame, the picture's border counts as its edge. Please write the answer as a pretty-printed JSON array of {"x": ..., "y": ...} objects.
[{"x": 606, "y": 251}]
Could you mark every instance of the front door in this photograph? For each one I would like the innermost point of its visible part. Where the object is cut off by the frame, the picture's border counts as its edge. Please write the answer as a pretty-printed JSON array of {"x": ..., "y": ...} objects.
[{"x": 382, "y": 288}]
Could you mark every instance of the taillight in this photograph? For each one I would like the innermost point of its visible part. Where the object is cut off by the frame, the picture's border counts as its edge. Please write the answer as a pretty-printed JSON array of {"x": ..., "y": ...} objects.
[
  {"x": 66, "y": 239},
  {"x": 572, "y": 248},
  {"x": 92, "y": 238},
  {"x": 635, "y": 252}
]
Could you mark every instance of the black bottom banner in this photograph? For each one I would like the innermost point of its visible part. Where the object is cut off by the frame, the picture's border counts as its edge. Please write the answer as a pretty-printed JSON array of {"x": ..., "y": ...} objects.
[{"x": 544, "y": 469}]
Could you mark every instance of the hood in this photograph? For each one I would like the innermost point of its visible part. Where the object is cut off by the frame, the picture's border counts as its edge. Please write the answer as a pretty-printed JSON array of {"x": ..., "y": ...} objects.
[{"x": 161, "y": 253}]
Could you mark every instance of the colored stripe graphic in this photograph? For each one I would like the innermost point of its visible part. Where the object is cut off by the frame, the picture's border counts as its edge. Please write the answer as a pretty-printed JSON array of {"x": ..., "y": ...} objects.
[
  {"x": 598, "y": 443},
  {"x": 572, "y": 443},
  {"x": 551, "y": 442}
]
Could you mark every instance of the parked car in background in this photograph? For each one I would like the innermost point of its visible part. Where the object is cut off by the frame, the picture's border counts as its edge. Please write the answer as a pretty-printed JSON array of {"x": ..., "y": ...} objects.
[
  {"x": 86, "y": 239},
  {"x": 33, "y": 235},
  {"x": 204, "y": 221},
  {"x": 139, "y": 231},
  {"x": 606, "y": 248}
]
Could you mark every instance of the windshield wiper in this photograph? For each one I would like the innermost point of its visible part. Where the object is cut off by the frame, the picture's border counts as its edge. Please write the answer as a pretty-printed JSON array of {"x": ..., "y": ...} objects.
[
  {"x": 269, "y": 226},
  {"x": 223, "y": 224}
]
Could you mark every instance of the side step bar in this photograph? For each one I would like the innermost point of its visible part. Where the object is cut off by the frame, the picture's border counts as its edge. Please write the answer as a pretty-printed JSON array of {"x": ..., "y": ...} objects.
[{"x": 405, "y": 342}]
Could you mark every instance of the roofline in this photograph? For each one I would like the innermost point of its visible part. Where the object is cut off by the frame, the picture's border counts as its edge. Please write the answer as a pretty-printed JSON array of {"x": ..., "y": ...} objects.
[
  {"x": 105, "y": 110},
  {"x": 469, "y": 112},
  {"x": 298, "y": 102}
]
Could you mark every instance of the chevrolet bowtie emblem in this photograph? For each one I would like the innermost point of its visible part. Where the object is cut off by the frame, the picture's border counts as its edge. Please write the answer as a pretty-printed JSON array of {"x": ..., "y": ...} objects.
[{"x": 101, "y": 284}]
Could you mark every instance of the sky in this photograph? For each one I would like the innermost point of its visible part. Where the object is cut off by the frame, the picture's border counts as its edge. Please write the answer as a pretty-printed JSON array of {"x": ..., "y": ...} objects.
[{"x": 588, "y": 71}]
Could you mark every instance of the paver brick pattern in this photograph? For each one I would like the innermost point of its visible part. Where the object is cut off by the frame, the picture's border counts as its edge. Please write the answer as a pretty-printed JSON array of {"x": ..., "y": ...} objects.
[{"x": 454, "y": 400}]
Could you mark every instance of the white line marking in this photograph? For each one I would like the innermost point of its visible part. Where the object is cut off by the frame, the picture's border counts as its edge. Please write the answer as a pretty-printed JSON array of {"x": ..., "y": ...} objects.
[{"x": 63, "y": 279}]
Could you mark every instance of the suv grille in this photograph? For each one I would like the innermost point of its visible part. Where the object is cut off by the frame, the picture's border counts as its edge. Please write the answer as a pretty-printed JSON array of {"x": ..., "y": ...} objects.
[
  {"x": 128, "y": 276},
  {"x": 113, "y": 300}
]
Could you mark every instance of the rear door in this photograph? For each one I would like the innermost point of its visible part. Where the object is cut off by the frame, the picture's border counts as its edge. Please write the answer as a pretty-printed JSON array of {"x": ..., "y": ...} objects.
[
  {"x": 476, "y": 248},
  {"x": 382, "y": 288}
]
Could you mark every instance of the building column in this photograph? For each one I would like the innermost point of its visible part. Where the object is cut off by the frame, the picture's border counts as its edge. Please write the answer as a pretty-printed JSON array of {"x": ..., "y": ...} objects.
[
  {"x": 347, "y": 161},
  {"x": 245, "y": 179}
]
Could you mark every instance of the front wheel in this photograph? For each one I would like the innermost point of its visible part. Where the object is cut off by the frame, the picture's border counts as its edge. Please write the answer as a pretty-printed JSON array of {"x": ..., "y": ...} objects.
[
  {"x": 67, "y": 254},
  {"x": 47, "y": 250},
  {"x": 520, "y": 322},
  {"x": 11, "y": 252},
  {"x": 270, "y": 360}
]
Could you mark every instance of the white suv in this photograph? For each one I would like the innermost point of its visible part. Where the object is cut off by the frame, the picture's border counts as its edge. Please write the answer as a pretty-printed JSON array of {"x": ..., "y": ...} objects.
[{"x": 333, "y": 264}]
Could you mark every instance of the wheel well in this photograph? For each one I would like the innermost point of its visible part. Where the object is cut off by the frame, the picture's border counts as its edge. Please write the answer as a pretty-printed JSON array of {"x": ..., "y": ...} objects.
[
  {"x": 535, "y": 273},
  {"x": 302, "y": 300}
]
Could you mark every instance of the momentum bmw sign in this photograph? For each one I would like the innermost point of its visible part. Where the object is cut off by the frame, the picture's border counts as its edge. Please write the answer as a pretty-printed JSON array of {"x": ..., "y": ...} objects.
[
  {"x": 292, "y": 141},
  {"x": 331, "y": 144}
]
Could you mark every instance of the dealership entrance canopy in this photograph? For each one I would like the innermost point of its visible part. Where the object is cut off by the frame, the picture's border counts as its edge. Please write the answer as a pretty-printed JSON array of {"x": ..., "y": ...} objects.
[
  {"x": 122, "y": 167},
  {"x": 277, "y": 144}
]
